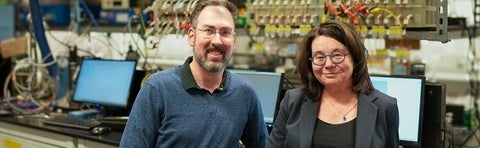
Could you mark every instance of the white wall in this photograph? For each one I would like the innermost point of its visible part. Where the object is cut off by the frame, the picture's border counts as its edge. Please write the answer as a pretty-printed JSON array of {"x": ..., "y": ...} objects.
[
  {"x": 461, "y": 8},
  {"x": 449, "y": 63}
]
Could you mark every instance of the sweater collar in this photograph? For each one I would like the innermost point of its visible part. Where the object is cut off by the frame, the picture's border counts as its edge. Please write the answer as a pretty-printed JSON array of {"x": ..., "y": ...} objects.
[{"x": 188, "y": 80}]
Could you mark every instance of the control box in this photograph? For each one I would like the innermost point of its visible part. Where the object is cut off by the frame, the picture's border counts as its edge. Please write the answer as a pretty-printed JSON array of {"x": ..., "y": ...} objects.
[{"x": 115, "y": 4}]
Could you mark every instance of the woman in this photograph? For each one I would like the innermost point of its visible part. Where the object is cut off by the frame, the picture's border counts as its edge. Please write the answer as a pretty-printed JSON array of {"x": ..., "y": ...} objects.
[{"x": 338, "y": 106}]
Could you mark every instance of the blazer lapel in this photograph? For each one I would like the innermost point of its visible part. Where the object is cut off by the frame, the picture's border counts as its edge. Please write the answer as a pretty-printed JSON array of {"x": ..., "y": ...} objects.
[
  {"x": 366, "y": 116},
  {"x": 307, "y": 122}
]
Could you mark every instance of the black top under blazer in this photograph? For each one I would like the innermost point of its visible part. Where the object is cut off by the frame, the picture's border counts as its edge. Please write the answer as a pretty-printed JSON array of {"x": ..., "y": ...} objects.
[{"x": 376, "y": 126}]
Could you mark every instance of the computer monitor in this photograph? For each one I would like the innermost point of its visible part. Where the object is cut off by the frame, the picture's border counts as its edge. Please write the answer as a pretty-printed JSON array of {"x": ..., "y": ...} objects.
[
  {"x": 268, "y": 86},
  {"x": 104, "y": 82},
  {"x": 409, "y": 92}
]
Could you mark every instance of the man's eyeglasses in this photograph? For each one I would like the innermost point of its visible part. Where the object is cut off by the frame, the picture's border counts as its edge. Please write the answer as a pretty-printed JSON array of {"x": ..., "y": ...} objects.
[
  {"x": 336, "y": 57},
  {"x": 210, "y": 32}
]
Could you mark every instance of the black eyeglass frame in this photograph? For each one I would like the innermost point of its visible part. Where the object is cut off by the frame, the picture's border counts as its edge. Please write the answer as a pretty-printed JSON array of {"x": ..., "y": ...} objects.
[
  {"x": 211, "y": 32},
  {"x": 336, "y": 53}
]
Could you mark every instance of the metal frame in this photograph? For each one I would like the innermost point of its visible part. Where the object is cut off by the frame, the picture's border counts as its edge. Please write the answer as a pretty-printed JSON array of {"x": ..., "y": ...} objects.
[{"x": 441, "y": 31}]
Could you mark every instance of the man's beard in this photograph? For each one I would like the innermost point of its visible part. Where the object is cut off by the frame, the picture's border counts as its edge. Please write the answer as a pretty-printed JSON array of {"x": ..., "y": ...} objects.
[{"x": 212, "y": 67}]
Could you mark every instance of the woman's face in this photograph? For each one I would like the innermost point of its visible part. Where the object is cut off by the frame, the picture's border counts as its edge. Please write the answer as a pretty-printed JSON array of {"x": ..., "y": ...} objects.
[{"x": 336, "y": 72}]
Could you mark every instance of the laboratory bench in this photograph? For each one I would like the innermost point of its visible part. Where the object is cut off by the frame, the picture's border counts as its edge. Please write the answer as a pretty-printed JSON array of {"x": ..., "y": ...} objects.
[{"x": 20, "y": 131}]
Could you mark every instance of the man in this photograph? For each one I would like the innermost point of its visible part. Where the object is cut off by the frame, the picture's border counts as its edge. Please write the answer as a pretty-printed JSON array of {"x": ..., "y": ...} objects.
[{"x": 200, "y": 103}]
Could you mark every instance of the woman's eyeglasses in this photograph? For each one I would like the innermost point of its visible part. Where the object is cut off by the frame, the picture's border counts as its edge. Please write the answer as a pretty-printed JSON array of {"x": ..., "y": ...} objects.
[{"x": 320, "y": 59}]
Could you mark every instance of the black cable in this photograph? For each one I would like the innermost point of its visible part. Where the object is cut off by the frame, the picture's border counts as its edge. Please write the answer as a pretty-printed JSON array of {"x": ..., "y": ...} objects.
[
  {"x": 288, "y": 84},
  {"x": 131, "y": 54},
  {"x": 250, "y": 36},
  {"x": 4, "y": 62},
  {"x": 448, "y": 137},
  {"x": 476, "y": 137}
]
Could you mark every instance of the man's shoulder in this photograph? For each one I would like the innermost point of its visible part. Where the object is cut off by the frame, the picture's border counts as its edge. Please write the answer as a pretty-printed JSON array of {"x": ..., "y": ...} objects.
[
  {"x": 166, "y": 74},
  {"x": 169, "y": 71}
]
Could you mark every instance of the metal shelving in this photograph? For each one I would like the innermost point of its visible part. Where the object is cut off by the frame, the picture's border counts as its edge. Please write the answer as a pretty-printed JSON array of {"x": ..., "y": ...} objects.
[
  {"x": 440, "y": 33},
  {"x": 476, "y": 14}
]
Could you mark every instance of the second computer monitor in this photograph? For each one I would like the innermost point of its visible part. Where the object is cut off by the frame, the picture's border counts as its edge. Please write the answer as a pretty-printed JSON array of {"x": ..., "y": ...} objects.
[
  {"x": 268, "y": 86},
  {"x": 104, "y": 82},
  {"x": 409, "y": 92}
]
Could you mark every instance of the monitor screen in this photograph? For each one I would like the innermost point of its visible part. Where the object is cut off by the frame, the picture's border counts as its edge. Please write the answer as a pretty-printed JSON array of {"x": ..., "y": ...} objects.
[
  {"x": 268, "y": 86},
  {"x": 409, "y": 92},
  {"x": 104, "y": 82}
]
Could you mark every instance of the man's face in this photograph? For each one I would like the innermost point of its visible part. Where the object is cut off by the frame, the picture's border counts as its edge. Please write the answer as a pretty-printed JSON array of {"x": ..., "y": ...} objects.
[{"x": 213, "y": 38}]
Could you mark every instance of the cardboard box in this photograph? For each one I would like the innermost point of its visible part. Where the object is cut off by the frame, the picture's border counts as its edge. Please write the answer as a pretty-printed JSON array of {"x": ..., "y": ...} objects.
[{"x": 13, "y": 47}]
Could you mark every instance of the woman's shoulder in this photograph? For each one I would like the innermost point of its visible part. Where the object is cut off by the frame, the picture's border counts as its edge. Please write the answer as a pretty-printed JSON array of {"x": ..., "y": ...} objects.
[
  {"x": 294, "y": 92},
  {"x": 379, "y": 96},
  {"x": 295, "y": 95}
]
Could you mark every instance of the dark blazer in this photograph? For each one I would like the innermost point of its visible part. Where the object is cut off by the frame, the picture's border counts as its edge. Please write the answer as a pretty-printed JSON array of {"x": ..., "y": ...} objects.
[{"x": 376, "y": 126}]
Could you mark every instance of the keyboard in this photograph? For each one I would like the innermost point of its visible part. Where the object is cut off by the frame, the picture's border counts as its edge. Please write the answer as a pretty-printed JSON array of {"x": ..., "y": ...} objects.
[
  {"x": 85, "y": 124},
  {"x": 116, "y": 123},
  {"x": 5, "y": 113}
]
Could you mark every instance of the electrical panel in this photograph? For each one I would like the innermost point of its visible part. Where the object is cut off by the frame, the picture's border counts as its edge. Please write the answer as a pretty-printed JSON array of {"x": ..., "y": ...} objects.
[
  {"x": 390, "y": 19},
  {"x": 376, "y": 19}
]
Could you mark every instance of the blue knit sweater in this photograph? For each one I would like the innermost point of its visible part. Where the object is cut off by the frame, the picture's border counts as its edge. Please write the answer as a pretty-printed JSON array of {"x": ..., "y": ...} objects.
[{"x": 167, "y": 114}]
